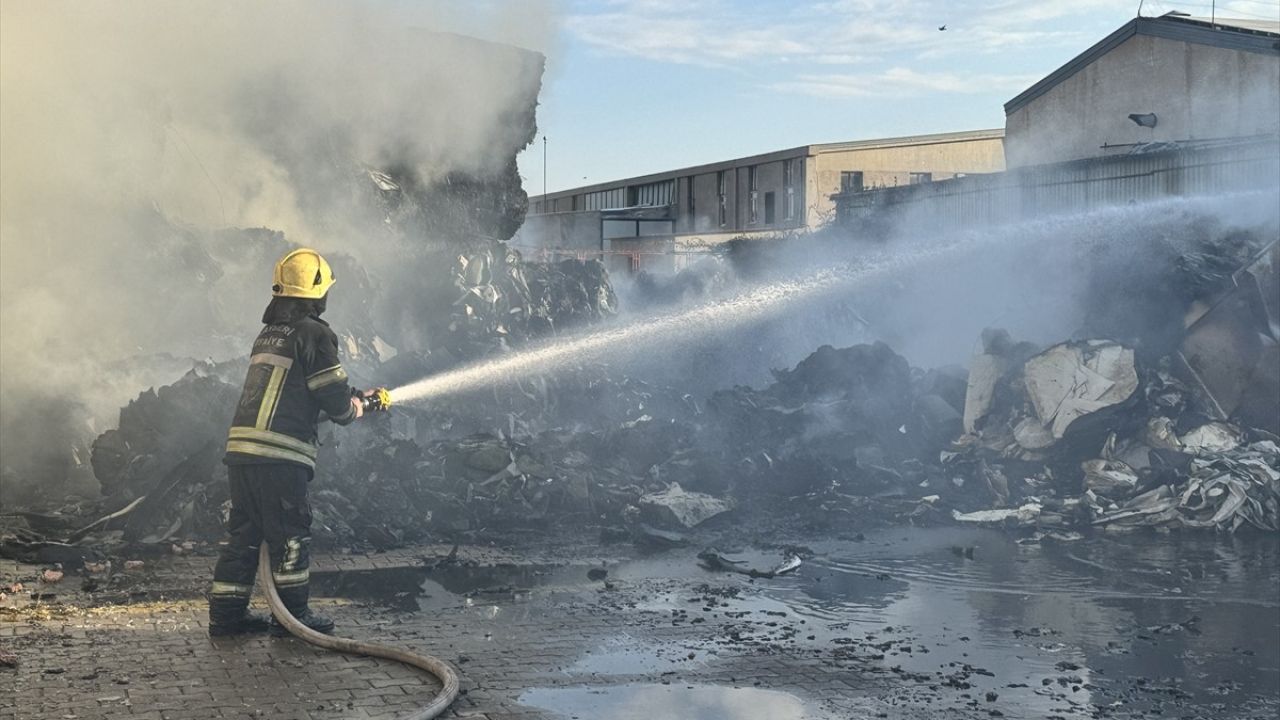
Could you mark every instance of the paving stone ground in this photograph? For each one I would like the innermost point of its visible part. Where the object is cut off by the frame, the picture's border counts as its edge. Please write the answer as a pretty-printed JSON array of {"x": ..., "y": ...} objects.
[
  {"x": 152, "y": 658},
  {"x": 535, "y": 632}
]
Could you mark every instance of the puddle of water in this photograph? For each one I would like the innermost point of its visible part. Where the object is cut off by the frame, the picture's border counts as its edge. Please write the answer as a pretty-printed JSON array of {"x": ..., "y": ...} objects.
[
  {"x": 1146, "y": 620},
  {"x": 1143, "y": 566},
  {"x": 508, "y": 580},
  {"x": 1184, "y": 622},
  {"x": 408, "y": 589},
  {"x": 395, "y": 588},
  {"x": 648, "y": 702},
  {"x": 626, "y": 655},
  {"x": 1155, "y": 623}
]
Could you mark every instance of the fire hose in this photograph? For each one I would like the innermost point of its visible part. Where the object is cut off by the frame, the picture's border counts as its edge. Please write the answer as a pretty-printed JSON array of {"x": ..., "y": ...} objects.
[
  {"x": 437, "y": 667},
  {"x": 378, "y": 400}
]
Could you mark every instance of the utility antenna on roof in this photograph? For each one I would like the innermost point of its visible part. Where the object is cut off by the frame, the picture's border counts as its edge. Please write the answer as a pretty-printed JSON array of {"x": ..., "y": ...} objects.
[{"x": 1140, "y": 8}]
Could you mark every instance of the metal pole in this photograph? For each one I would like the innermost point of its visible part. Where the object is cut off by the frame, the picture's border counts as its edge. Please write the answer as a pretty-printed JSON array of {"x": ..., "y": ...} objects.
[{"x": 544, "y": 173}]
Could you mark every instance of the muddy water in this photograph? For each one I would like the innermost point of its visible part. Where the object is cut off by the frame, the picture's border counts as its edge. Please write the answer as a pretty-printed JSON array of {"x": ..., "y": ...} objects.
[{"x": 655, "y": 702}]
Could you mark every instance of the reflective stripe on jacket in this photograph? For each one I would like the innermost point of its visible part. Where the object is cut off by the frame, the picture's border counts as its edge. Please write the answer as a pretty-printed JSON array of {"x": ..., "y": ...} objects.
[{"x": 294, "y": 375}]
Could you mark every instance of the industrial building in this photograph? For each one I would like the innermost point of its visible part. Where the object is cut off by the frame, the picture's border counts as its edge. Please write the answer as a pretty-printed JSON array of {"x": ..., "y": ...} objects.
[
  {"x": 650, "y": 220},
  {"x": 1167, "y": 79},
  {"x": 1164, "y": 106}
]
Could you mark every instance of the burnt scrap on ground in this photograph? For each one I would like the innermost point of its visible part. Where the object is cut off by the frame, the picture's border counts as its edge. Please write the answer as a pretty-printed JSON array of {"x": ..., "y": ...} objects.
[{"x": 1113, "y": 432}]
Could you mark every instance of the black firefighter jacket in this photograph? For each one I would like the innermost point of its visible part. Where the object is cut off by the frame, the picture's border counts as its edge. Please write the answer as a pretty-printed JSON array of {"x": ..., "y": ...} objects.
[{"x": 294, "y": 375}]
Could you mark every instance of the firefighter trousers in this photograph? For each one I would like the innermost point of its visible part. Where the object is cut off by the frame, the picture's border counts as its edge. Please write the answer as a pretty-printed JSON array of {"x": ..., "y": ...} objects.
[{"x": 268, "y": 502}]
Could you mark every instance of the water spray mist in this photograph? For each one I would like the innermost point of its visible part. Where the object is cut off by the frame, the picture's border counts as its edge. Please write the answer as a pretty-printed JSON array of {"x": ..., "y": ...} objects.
[
  {"x": 660, "y": 332},
  {"x": 670, "y": 329}
]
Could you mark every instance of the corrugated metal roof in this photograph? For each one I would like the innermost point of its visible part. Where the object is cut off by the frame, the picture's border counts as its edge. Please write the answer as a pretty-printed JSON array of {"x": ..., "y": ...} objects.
[
  {"x": 1257, "y": 36},
  {"x": 1271, "y": 27},
  {"x": 906, "y": 140}
]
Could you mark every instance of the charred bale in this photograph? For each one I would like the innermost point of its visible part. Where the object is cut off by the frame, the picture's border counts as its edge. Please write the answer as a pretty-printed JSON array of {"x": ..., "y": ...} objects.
[{"x": 168, "y": 447}]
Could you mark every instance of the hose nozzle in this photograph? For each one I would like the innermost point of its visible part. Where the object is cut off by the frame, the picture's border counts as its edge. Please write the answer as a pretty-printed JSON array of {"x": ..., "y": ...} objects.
[{"x": 378, "y": 399}]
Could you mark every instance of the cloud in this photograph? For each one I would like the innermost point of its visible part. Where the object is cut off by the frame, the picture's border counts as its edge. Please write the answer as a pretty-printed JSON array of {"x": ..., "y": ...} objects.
[
  {"x": 715, "y": 31},
  {"x": 895, "y": 45},
  {"x": 1249, "y": 10},
  {"x": 899, "y": 82},
  {"x": 693, "y": 33},
  {"x": 840, "y": 59}
]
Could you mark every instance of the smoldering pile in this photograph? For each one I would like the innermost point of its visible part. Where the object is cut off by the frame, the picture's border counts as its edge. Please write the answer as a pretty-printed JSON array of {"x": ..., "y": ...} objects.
[
  {"x": 505, "y": 299},
  {"x": 1155, "y": 416},
  {"x": 1169, "y": 421}
]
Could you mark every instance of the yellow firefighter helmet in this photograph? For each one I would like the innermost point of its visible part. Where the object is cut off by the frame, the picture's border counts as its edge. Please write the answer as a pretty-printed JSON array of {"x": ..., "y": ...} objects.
[{"x": 302, "y": 273}]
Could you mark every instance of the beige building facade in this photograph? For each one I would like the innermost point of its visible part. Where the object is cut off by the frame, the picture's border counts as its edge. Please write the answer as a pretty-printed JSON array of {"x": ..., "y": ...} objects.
[
  {"x": 1184, "y": 79},
  {"x": 759, "y": 195}
]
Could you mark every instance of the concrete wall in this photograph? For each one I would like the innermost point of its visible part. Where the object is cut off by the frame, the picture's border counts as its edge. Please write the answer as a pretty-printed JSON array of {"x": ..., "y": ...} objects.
[
  {"x": 1197, "y": 92},
  {"x": 768, "y": 180},
  {"x": 652, "y": 255},
  {"x": 706, "y": 202},
  {"x": 893, "y": 166},
  {"x": 570, "y": 230},
  {"x": 709, "y": 240},
  {"x": 1039, "y": 191}
]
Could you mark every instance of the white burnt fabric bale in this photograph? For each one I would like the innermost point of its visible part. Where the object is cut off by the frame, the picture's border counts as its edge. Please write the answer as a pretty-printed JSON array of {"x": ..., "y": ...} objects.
[
  {"x": 677, "y": 507},
  {"x": 1072, "y": 380}
]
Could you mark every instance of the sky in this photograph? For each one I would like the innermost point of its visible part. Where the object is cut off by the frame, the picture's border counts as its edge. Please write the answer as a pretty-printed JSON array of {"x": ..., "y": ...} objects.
[{"x": 641, "y": 86}]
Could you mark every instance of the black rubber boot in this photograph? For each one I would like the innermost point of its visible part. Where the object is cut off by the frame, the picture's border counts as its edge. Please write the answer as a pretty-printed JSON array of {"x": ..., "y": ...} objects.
[
  {"x": 313, "y": 620},
  {"x": 296, "y": 599},
  {"x": 248, "y": 624},
  {"x": 230, "y": 616}
]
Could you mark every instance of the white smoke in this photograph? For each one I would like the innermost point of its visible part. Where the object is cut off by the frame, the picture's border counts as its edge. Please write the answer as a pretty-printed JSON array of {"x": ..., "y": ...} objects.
[{"x": 124, "y": 124}]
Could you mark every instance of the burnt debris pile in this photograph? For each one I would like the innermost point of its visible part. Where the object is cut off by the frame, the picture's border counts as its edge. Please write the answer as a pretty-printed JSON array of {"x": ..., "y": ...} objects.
[
  {"x": 832, "y": 424},
  {"x": 1164, "y": 417},
  {"x": 160, "y": 472},
  {"x": 1158, "y": 413},
  {"x": 166, "y": 438},
  {"x": 1084, "y": 434},
  {"x": 504, "y": 300}
]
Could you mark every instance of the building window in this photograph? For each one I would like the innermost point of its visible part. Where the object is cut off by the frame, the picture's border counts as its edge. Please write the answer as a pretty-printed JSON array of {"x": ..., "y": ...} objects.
[
  {"x": 753, "y": 205},
  {"x": 722, "y": 183},
  {"x": 651, "y": 194},
  {"x": 688, "y": 202},
  {"x": 768, "y": 209},
  {"x": 851, "y": 181},
  {"x": 605, "y": 199},
  {"x": 790, "y": 177},
  {"x": 921, "y": 177}
]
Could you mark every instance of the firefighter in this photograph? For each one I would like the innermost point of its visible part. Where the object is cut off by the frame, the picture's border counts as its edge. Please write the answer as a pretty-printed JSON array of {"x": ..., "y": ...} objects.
[{"x": 294, "y": 381}]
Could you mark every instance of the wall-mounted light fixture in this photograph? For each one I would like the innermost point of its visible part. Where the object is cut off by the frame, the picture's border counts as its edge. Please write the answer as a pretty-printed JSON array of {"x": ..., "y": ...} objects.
[{"x": 1144, "y": 119}]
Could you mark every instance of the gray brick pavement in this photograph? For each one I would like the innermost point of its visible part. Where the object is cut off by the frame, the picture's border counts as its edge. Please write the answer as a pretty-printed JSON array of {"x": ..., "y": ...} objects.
[{"x": 154, "y": 660}]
